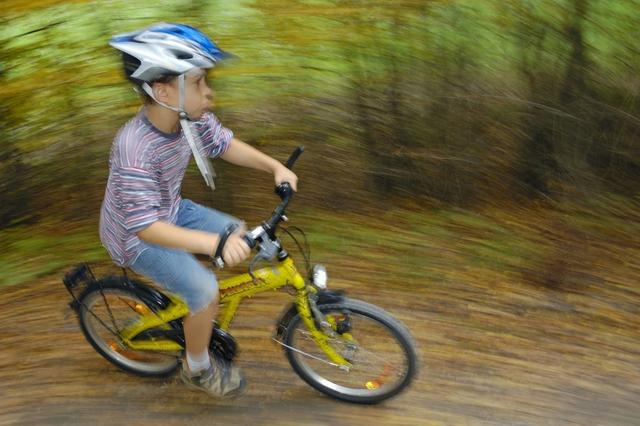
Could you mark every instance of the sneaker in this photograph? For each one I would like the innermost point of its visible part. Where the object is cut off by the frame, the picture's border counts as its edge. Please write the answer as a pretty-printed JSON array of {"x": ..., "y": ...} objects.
[{"x": 221, "y": 379}]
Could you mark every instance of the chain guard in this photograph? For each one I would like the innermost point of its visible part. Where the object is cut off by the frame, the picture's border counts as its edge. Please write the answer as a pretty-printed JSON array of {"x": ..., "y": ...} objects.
[{"x": 223, "y": 345}]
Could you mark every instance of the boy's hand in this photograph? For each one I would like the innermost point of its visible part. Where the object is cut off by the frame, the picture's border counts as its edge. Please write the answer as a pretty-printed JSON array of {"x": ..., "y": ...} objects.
[
  {"x": 236, "y": 249},
  {"x": 282, "y": 174}
]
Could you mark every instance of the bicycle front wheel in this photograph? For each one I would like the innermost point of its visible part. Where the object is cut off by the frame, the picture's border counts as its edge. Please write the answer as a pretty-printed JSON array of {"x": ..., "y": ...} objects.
[
  {"x": 109, "y": 307},
  {"x": 380, "y": 349}
]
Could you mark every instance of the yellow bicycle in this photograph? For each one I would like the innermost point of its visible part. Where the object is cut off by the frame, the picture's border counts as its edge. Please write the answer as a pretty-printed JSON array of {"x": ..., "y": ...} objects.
[{"x": 345, "y": 348}]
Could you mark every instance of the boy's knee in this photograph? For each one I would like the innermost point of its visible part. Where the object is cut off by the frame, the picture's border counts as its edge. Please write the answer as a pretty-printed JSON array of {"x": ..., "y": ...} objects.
[
  {"x": 201, "y": 290},
  {"x": 202, "y": 302},
  {"x": 210, "y": 307}
]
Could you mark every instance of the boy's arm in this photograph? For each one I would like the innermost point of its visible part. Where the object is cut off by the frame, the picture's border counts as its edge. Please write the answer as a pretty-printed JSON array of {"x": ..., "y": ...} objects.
[
  {"x": 194, "y": 241},
  {"x": 172, "y": 236},
  {"x": 241, "y": 154}
]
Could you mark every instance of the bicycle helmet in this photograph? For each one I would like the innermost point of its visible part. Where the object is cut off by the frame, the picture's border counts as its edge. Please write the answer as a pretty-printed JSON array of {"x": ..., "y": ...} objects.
[{"x": 167, "y": 49}]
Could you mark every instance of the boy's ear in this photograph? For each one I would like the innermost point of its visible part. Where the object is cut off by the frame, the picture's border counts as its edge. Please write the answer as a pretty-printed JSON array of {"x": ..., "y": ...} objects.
[{"x": 160, "y": 91}]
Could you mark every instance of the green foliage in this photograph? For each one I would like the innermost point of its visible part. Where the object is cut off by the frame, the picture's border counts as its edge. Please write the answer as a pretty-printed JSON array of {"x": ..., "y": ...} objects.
[
  {"x": 31, "y": 252},
  {"x": 465, "y": 102}
]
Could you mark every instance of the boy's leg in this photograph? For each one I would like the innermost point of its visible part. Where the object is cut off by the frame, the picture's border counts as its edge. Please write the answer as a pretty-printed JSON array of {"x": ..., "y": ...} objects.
[
  {"x": 194, "y": 216},
  {"x": 197, "y": 334},
  {"x": 181, "y": 273},
  {"x": 178, "y": 272}
]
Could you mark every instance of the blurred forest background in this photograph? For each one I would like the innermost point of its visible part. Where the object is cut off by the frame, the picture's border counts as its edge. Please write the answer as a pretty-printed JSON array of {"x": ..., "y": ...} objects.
[
  {"x": 473, "y": 166},
  {"x": 439, "y": 133}
]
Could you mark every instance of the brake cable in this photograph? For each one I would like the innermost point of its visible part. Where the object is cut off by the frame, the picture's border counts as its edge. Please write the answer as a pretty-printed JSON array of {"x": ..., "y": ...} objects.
[{"x": 306, "y": 254}]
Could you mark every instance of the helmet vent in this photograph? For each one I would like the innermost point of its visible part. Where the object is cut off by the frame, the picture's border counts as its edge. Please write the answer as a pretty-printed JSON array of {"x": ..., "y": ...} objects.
[{"x": 182, "y": 55}]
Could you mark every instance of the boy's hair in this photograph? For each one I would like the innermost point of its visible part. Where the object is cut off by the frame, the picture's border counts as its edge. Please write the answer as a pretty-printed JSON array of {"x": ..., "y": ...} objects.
[{"x": 130, "y": 65}]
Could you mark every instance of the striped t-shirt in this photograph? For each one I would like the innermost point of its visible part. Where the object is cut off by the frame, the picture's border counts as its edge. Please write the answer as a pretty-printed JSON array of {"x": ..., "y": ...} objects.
[{"x": 146, "y": 169}]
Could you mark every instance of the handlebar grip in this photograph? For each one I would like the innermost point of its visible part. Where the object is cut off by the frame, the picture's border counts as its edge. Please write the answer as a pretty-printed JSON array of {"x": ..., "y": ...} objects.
[
  {"x": 250, "y": 241},
  {"x": 292, "y": 159},
  {"x": 217, "y": 258},
  {"x": 284, "y": 190}
]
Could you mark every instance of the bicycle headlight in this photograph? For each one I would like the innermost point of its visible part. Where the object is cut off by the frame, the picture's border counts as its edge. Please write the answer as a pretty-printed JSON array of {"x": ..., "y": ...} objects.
[{"x": 319, "y": 276}]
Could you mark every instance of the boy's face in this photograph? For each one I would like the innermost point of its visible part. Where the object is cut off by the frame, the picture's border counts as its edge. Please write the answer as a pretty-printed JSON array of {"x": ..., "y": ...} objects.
[{"x": 198, "y": 95}]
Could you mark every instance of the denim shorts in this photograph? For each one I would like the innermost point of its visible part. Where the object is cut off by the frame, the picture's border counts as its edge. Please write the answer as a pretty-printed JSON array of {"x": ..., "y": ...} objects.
[{"x": 178, "y": 271}]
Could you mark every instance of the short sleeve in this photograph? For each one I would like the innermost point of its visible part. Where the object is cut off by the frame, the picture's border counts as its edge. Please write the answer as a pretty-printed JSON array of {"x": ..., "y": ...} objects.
[
  {"x": 215, "y": 137},
  {"x": 139, "y": 198}
]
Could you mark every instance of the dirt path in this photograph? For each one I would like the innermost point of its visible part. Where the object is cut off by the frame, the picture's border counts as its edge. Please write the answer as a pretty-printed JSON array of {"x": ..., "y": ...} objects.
[{"x": 490, "y": 355}]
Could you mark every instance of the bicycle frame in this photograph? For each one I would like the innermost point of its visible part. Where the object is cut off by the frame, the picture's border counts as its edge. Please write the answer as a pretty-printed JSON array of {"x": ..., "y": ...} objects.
[{"x": 232, "y": 291}]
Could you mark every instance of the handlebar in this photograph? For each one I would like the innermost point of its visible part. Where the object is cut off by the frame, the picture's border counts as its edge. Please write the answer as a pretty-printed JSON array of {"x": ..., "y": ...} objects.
[
  {"x": 255, "y": 236},
  {"x": 294, "y": 156}
]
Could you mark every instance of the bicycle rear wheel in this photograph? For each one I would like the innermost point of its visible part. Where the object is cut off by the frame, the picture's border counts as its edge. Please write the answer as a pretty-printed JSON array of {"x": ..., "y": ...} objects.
[
  {"x": 108, "y": 307},
  {"x": 380, "y": 349}
]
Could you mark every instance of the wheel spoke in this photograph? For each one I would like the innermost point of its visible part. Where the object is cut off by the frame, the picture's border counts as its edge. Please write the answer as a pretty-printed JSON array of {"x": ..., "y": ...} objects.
[
  {"x": 121, "y": 308},
  {"x": 379, "y": 349},
  {"x": 337, "y": 342}
]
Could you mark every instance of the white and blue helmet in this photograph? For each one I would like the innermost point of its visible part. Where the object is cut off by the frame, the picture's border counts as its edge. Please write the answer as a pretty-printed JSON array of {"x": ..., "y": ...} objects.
[{"x": 167, "y": 49}]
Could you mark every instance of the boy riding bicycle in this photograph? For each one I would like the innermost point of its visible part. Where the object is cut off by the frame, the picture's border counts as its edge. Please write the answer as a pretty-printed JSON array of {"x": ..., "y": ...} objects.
[{"x": 144, "y": 223}]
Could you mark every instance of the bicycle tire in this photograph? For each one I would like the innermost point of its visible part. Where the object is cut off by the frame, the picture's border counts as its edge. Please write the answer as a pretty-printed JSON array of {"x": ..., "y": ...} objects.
[
  {"x": 367, "y": 392},
  {"x": 113, "y": 351}
]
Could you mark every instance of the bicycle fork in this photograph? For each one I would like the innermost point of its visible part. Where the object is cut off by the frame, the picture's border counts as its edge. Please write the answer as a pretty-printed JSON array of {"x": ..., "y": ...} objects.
[{"x": 316, "y": 323}]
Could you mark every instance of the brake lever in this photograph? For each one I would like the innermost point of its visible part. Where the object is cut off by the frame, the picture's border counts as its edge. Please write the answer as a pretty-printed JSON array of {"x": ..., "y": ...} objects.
[
  {"x": 268, "y": 250},
  {"x": 258, "y": 257},
  {"x": 251, "y": 265}
]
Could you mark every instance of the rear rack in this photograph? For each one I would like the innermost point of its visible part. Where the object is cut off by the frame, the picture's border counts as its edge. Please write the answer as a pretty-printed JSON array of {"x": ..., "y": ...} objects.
[{"x": 76, "y": 281}]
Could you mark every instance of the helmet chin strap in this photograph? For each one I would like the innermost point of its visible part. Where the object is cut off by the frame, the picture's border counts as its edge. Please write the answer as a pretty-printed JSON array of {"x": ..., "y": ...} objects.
[{"x": 206, "y": 169}]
